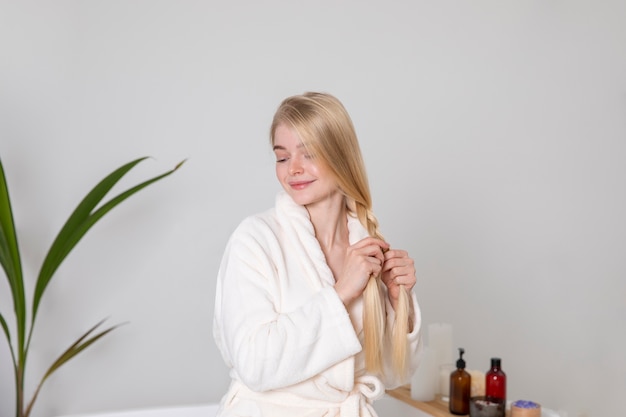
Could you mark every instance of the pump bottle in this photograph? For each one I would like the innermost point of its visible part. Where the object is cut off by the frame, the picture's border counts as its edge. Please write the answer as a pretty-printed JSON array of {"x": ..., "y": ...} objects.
[{"x": 460, "y": 385}]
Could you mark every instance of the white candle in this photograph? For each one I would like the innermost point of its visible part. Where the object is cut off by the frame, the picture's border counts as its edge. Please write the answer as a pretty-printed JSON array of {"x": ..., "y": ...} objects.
[
  {"x": 444, "y": 380},
  {"x": 440, "y": 341},
  {"x": 424, "y": 380}
]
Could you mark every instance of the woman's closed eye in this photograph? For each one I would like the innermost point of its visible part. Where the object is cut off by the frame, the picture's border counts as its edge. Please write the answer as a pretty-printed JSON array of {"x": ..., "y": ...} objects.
[{"x": 281, "y": 157}]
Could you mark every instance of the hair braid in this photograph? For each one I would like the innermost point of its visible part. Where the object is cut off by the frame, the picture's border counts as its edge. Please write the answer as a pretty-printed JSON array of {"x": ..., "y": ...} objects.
[
  {"x": 373, "y": 310},
  {"x": 374, "y": 313}
]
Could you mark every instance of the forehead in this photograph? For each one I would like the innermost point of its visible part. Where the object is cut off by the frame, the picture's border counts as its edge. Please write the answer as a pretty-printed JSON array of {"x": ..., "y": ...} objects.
[{"x": 287, "y": 138}]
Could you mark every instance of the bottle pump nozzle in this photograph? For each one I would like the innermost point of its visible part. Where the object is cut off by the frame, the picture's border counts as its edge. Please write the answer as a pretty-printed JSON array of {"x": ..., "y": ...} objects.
[{"x": 461, "y": 363}]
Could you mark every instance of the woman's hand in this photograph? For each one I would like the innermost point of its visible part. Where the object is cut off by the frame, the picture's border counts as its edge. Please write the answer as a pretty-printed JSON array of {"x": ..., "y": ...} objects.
[
  {"x": 398, "y": 270},
  {"x": 363, "y": 259}
]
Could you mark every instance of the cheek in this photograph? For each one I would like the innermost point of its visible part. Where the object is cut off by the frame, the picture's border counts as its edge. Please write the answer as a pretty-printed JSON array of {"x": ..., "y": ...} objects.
[
  {"x": 314, "y": 169},
  {"x": 321, "y": 172}
]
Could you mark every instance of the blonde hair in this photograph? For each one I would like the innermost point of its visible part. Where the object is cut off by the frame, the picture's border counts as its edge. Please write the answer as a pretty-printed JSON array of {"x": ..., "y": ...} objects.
[{"x": 326, "y": 129}]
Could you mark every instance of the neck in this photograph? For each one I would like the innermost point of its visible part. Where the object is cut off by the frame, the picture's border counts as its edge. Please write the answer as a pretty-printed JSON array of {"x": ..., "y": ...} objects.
[{"x": 329, "y": 221}]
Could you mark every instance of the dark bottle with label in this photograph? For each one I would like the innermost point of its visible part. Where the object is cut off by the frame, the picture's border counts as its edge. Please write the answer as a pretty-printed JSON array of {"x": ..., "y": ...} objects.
[
  {"x": 495, "y": 381},
  {"x": 460, "y": 385}
]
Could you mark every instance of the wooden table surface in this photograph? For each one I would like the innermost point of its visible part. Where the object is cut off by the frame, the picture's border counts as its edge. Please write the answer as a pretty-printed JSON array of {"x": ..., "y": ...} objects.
[{"x": 437, "y": 407}]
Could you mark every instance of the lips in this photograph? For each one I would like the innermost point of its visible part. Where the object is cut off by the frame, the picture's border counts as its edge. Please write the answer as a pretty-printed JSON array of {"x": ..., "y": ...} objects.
[{"x": 299, "y": 185}]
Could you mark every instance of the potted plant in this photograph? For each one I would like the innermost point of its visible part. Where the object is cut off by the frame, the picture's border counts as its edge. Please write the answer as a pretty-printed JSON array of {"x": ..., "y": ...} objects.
[{"x": 86, "y": 214}]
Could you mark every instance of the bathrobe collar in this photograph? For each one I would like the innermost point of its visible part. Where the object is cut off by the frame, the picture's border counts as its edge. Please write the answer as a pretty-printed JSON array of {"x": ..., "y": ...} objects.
[{"x": 296, "y": 223}]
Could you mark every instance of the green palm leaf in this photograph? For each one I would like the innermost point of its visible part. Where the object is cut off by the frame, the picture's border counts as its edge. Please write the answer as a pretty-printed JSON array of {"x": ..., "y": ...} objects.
[
  {"x": 77, "y": 225},
  {"x": 5, "y": 328},
  {"x": 82, "y": 219},
  {"x": 78, "y": 346},
  {"x": 11, "y": 263}
]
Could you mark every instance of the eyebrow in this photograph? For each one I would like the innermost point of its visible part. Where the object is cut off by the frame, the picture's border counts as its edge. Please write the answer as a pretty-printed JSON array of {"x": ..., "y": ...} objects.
[{"x": 282, "y": 148}]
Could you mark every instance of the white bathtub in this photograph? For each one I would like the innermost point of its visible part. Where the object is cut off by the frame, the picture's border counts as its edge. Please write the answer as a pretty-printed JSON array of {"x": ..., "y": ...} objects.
[
  {"x": 206, "y": 410},
  {"x": 385, "y": 407}
]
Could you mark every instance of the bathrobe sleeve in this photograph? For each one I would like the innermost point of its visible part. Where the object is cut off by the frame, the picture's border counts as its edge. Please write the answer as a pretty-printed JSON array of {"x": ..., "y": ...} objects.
[{"x": 269, "y": 349}]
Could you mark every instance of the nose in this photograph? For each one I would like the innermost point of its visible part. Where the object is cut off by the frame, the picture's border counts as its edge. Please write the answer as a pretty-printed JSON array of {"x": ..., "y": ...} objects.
[{"x": 295, "y": 166}]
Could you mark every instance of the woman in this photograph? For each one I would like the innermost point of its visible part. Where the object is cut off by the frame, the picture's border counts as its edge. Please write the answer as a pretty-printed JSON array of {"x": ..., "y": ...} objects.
[{"x": 290, "y": 293}]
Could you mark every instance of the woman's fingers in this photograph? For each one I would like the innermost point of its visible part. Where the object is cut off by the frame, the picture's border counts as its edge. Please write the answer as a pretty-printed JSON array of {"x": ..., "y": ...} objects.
[
  {"x": 363, "y": 259},
  {"x": 370, "y": 249},
  {"x": 398, "y": 269}
]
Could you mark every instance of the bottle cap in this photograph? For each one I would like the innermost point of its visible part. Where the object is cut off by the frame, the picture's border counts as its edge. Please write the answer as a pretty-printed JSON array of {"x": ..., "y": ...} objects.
[
  {"x": 495, "y": 362},
  {"x": 460, "y": 363}
]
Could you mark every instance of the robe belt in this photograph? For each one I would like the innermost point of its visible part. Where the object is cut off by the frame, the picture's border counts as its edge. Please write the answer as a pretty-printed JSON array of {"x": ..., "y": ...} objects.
[{"x": 366, "y": 389}]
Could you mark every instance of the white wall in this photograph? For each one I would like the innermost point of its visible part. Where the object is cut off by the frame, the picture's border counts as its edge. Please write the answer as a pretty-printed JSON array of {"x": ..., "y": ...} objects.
[{"x": 494, "y": 132}]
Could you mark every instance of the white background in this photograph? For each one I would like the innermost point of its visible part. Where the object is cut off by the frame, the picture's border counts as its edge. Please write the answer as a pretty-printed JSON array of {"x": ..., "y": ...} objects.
[{"x": 494, "y": 134}]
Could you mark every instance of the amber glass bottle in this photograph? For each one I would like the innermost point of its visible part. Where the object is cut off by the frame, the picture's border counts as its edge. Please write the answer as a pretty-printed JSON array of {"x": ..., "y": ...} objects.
[{"x": 460, "y": 384}]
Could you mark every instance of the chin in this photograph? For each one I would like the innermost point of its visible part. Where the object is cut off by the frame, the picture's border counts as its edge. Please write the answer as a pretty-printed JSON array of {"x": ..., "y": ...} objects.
[{"x": 300, "y": 198}]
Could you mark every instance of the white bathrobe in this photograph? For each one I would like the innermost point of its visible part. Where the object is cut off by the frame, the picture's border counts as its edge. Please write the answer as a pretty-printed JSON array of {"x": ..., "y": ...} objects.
[{"x": 292, "y": 347}]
